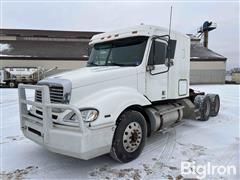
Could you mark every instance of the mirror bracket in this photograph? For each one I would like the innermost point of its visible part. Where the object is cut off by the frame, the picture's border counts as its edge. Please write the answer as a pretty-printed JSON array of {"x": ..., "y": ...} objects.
[
  {"x": 150, "y": 67},
  {"x": 169, "y": 63}
]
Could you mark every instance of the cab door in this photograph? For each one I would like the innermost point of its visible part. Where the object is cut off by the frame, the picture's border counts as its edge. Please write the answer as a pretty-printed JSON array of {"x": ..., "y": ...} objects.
[{"x": 157, "y": 71}]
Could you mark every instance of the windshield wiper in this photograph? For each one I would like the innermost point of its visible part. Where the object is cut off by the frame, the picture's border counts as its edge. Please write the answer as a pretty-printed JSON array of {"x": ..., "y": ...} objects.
[
  {"x": 91, "y": 64},
  {"x": 119, "y": 64}
]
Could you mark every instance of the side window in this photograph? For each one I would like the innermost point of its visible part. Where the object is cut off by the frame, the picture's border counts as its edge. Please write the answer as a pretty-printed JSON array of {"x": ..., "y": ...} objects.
[{"x": 159, "y": 53}]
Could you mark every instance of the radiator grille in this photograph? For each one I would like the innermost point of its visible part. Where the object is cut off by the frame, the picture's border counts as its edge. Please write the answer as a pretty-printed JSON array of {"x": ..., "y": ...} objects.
[{"x": 56, "y": 95}]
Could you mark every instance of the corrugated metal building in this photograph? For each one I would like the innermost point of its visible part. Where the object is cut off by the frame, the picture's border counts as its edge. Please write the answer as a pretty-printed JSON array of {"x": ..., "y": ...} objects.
[
  {"x": 207, "y": 66},
  {"x": 68, "y": 50},
  {"x": 64, "y": 50}
]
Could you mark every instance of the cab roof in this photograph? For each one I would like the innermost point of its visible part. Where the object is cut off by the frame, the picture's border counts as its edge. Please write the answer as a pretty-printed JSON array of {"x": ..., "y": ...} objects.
[{"x": 140, "y": 30}]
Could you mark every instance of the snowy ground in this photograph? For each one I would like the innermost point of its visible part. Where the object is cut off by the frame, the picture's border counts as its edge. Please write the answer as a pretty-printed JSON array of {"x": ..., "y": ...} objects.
[{"x": 215, "y": 141}]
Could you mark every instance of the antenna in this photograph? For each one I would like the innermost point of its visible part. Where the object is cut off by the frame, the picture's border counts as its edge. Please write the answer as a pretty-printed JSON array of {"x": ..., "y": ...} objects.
[{"x": 170, "y": 23}]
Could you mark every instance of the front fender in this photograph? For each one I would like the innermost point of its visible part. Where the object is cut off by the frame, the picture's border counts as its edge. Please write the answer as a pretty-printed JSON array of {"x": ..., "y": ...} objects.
[{"x": 111, "y": 103}]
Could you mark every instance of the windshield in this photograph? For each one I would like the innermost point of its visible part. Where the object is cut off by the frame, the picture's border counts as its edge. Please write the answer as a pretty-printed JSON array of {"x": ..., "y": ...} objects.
[{"x": 122, "y": 52}]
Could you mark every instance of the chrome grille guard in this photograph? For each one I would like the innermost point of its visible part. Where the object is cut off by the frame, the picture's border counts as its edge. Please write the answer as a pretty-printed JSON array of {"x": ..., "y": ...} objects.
[{"x": 47, "y": 122}]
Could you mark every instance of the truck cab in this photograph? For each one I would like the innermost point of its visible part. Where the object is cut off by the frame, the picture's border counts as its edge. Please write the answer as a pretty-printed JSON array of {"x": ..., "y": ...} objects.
[{"x": 136, "y": 82}]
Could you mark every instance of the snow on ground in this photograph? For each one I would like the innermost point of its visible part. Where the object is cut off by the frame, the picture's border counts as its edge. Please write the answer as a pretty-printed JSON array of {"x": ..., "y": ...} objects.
[{"x": 215, "y": 141}]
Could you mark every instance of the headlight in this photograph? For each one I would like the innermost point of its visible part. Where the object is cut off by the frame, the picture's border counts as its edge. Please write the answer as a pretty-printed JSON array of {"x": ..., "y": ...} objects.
[{"x": 88, "y": 115}]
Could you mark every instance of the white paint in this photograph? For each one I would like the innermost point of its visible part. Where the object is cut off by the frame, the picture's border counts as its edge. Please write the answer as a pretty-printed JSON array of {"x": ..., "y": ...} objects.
[
  {"x": 168, "y": 82},
  {"x": 156, "y": 85},
  {"x": 4, "y": 47}
]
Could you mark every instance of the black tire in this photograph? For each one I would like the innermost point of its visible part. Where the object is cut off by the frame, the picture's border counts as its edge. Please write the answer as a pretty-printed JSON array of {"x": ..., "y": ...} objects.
[
  {"x": 133, "y": 121},
  {"x": 203, "y": 104},
  {"x": 215, "y": 104},
  {"x": 11, "y": 84}
]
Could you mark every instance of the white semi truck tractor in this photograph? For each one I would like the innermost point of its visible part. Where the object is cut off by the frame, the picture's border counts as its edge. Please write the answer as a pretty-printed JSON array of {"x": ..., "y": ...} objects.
[{"x": 136, "y": 83}]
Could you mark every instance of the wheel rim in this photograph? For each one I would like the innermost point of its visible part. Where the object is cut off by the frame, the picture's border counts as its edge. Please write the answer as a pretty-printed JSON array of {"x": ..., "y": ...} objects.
[
  {"x": 11, "y": 84},
  {"x": 132, "y": 137}
]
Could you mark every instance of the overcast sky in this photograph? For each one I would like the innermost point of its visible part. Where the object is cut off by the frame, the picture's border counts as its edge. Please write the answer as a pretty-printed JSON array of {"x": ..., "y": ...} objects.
[{"x": 104, "y": 16}]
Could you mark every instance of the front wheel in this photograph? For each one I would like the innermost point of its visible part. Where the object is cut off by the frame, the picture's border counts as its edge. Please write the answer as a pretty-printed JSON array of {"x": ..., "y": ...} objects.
[{"x": 130, "y": 135}]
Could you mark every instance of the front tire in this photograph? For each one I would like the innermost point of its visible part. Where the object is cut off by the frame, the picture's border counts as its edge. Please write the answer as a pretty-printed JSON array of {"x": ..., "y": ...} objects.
[{"x": 130, "y": 136}]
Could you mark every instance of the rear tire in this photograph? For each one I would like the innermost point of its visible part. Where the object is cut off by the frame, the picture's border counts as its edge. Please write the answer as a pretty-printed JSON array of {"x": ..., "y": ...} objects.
[
  {"x": 215, "y": 104},
  {"x": 129, "y": 138},
  {"x": 203, "y": 104}
]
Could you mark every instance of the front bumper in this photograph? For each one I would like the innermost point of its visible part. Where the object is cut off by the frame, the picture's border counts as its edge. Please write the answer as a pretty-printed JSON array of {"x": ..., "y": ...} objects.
[{"x": 81, "y": 142}]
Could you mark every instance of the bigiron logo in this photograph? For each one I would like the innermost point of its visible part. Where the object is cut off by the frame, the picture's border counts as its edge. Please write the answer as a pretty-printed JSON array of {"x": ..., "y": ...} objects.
[{"x": 203, "y": 170}]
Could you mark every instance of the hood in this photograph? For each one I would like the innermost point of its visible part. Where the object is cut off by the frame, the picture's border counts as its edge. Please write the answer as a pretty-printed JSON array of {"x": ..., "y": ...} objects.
[{"x": 91, "y": 75}]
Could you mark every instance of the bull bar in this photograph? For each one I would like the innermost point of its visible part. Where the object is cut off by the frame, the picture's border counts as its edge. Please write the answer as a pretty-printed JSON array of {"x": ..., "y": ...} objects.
[
  {"x": 79, "y": 142},
  {"x": 46, "y": 106}
]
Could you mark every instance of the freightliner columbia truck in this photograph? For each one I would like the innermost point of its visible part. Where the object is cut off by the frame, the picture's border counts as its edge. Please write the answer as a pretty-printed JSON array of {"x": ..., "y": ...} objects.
[{"x": 136, "y": 83}]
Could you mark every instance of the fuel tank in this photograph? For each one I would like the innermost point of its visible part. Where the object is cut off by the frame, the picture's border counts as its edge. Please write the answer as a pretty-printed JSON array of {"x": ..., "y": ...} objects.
[{"x": 162, "y": 116}]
